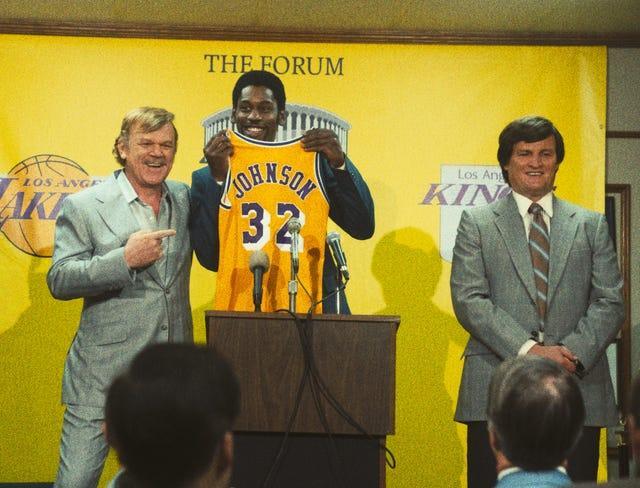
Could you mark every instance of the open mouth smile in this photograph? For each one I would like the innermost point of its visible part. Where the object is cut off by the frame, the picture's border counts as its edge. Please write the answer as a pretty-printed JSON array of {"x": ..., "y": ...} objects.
[{"x": 253, "y": 130}]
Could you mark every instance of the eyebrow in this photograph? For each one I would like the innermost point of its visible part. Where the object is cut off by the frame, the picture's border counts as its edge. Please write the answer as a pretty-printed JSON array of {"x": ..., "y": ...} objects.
[
  {"x": 147, "y": 139},
  {"x": 261, "y": 102}
]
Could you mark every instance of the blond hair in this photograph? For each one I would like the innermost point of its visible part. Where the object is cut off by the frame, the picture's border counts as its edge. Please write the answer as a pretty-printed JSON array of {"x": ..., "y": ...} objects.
[{"x": 149, "y": 119}]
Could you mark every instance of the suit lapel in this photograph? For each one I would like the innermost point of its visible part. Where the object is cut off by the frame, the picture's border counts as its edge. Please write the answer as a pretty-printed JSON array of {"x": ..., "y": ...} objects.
[
  {"x": 562, "y": 234},
  {"x": 115, "y": 211},
  {"x": 511, "y": 227},
  {"x": 117, "y": 216},
  {"x": 177, "y": 221}
]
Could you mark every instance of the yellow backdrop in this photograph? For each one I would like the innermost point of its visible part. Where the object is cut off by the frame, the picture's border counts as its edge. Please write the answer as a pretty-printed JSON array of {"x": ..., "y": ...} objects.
[{"x": 418, "y": 115}]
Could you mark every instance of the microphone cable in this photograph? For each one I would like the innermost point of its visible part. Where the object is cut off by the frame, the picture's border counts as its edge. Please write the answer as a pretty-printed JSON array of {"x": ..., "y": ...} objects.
[
  {"x": 270, "y": 478},
  {"x": 319, "y": 390},
  {"x": 337, "y": 406},
  {"x": 390, "y": 459}
]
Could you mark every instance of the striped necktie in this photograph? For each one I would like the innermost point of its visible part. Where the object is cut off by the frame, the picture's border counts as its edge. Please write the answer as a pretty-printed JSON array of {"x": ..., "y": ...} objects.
[{"x": 539, "y": 248}]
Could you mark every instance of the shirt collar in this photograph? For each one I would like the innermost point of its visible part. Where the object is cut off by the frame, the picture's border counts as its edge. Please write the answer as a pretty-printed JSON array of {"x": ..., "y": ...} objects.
[
  {"x": 129, "y": 193},
  {"x": 508, "y": 471},
  {"x": 523, "y": 203},
  {"x": 515, "y": 469}
]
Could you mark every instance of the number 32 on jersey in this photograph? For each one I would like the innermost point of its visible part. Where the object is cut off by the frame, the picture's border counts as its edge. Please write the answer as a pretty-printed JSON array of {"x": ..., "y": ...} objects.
[{"x": 258, "y": 232}]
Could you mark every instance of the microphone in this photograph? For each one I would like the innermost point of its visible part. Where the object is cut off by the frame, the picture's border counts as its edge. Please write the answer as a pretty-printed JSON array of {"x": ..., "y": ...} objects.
[
  {"x": 333, "y": 241},
  {"x": 258, "y": 265},
  {"x": 293, "y": 226}
]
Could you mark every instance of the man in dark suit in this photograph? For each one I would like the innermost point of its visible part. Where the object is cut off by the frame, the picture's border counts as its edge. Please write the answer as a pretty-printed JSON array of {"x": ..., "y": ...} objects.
[
  {"x": 169, "y": 418},
  {"x": 258, "y": 102},
  {"x": 535, "y": 414},
  {"x": 123, "y": 247},
  {"x": 569, "y": 310}
]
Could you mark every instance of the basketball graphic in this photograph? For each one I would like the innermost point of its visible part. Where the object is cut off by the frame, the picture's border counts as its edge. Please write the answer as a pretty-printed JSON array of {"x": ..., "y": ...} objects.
[{"x": 31, "y": 197}]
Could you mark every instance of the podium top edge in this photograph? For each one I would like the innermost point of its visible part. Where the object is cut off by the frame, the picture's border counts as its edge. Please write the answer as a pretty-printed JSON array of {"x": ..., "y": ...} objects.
[{"x": 320, "y": 317}]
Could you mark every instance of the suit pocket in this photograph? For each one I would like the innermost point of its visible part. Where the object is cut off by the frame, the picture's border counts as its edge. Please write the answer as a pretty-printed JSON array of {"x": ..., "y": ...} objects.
[
  {"x": 580, "y": 251},
  {"x": 475, "y": 348},
  {"x": 107, "y": 333}
]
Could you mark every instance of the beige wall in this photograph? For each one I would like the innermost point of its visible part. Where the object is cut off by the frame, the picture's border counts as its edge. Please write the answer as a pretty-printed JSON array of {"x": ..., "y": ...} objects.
[{"x": 623, "y": 162}]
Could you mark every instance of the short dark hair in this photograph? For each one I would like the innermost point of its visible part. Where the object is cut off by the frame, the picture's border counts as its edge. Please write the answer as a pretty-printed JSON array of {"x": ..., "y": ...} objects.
[
  {"x": 167, "y": 414},
  {"x": 536, "y": 412},
  {"x": 260, "y": 78},
  {"x": 531, "y": 128}
]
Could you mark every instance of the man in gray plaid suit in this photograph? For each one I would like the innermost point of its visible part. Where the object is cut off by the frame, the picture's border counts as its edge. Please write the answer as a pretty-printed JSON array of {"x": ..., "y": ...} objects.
[{"x": 497, "y": 299}]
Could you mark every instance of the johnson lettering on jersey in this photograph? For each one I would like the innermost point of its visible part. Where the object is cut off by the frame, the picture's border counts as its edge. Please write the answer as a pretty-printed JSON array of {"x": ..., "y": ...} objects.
[{"x": 267, "y": 184}]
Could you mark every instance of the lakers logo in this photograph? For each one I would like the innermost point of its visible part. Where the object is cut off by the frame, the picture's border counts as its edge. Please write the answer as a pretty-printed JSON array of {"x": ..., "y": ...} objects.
[{"x": 31, "y": 196}]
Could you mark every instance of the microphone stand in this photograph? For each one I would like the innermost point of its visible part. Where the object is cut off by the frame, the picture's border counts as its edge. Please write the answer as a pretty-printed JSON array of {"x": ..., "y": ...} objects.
[
  {"x": 293, "y": 289},
  {"x": 293, "y": 226},
  {"x": 338, "y": 283},
  {"x": 293, "y": 283}
]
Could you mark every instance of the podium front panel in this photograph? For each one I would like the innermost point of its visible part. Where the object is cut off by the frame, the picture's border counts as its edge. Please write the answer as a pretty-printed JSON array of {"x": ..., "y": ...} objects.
[{"x": 355, "y": 359}]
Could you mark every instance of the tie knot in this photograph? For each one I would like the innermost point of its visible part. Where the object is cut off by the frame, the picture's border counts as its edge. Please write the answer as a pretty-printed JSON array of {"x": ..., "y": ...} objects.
[{"x": 535, "y": 209}]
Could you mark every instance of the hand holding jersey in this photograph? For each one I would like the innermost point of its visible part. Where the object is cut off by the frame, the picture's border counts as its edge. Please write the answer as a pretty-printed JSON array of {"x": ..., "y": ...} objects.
[
  {"x": 326, "y": 142},
  {"x": 217, "y": 153}
]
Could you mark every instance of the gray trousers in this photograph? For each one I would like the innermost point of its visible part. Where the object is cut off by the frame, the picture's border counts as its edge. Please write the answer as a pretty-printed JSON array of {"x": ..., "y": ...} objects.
[{"x": 83, "y": 448}]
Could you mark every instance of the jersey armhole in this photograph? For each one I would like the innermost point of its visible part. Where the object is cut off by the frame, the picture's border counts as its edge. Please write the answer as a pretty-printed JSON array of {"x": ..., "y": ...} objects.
[
  {"x": 318, "y": 170},
  {"x": 224, "y": 201}
]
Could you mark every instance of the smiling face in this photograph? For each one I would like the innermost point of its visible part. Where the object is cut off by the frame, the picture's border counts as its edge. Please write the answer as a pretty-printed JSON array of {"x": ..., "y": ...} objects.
[
  {"x": 532, "y": 167},
  {"x": 257, "y": 114},
  {"x": 148, "y": 156}
]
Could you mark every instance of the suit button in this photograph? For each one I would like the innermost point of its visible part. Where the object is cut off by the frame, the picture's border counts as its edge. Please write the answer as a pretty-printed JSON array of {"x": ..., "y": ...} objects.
[
  {"x": 166, "y": 291},
  {"x": 164, "y": 327}
]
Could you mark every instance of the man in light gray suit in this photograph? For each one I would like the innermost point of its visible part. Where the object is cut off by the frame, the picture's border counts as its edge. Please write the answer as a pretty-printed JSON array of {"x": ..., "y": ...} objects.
[
  {"x": 123, "y": 247},
  {"x": 569, "y": 313}
]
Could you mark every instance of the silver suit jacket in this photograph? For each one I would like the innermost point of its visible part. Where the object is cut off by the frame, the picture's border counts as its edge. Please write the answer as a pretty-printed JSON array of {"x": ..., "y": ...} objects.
[{"x": 122, "y": 312}]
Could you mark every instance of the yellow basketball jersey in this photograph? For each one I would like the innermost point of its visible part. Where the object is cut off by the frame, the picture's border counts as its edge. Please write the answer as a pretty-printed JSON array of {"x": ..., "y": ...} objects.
[{"x": 267, "y": 184}]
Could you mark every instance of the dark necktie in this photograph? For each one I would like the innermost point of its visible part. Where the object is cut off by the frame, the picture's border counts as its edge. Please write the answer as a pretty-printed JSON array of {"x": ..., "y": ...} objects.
[{"x": 539, "y": 247}]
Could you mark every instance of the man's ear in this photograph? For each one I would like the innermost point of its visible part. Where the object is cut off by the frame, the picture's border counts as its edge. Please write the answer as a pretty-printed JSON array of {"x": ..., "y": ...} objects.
[
  {"x": 493, "y": 441},
  {"x": 233, "y": 116},
  {"x": 501, "y": 460},
  {"x": 282, "y": 117},
  {"x": 105, "y": 431},
  {"x": 225, "y": 456},
  {"x": 122, "y": 149}
]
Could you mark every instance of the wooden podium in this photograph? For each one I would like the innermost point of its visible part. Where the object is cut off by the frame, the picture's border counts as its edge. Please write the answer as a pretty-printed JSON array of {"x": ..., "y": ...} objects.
[{"x": 355, "y": 356}]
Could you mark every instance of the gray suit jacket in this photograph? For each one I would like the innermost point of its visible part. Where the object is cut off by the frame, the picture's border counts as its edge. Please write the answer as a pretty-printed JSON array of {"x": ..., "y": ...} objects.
[
  {"x": 121, "y": 313},
  {"x": 493, "y": 292}
]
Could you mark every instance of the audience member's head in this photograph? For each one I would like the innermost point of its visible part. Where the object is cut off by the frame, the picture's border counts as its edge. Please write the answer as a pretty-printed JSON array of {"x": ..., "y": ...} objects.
[
  {"x": 535, "y": 414},
  {"x": 169, "y": 417}
]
